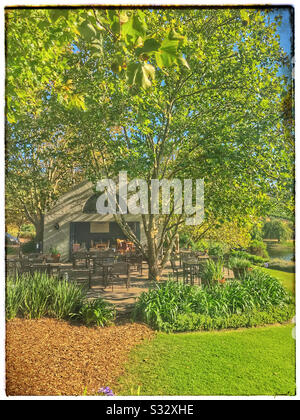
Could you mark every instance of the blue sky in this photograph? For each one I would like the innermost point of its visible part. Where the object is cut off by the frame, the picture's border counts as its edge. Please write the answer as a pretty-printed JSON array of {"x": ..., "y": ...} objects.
[{"x": 285, "y": 30}]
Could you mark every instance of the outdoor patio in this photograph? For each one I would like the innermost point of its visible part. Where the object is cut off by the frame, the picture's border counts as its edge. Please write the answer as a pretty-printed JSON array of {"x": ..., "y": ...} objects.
[{"x": 96, "y": 273}]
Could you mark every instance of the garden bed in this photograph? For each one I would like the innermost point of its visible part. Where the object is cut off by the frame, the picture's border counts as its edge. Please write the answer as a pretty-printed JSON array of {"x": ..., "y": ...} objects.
[
  {"x": 256, "y": 299},
  {"x": 51, "y": 357}
]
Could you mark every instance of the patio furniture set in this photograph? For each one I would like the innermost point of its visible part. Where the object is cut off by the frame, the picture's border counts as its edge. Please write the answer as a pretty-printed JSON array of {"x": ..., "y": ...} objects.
[
  {"x": 190, "y": 265},
  {"x": 107, "y": 267}
]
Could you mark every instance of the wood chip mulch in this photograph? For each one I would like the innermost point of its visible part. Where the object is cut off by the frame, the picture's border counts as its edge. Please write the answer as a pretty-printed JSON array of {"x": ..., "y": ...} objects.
[{"x": 51, "y": 357}]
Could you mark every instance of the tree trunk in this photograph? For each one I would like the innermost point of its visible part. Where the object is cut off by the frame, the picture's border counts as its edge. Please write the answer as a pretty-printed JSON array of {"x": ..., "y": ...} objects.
[
  {"x": 39, "y": 229},
  {"x": 154, "y": 270}
]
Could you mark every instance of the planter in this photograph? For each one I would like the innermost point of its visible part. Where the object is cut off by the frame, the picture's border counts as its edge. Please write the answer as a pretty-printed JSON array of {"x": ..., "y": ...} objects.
[{"x": 56, "y": 258}]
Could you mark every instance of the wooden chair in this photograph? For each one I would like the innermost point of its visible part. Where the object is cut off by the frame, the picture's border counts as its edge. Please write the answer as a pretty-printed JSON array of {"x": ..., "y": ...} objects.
[
  {"x": 34, "y": 256},
  {"x": 24, "y": 266},
  {"x": 102, "y": 246},
  {"x": 98, "y": 265},
  {"x": 98, "y": 272},
  {"x": 136, "y": 261},
  {"x": 80, "y": 260},
  {"x": 184, "y": 256},
  {"x": 75, "y": 248},
  {"x": 177, "y": 270},
  {"x": 94, "y": 253},
  {"x": 192, "y": 270},
  {"x": 82, "y": 277},
  {"x": 120, "y": 269}
]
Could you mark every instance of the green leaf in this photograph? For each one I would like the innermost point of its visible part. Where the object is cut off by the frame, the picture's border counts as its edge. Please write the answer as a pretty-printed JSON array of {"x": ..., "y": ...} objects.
[
  {"x": 132, "y": 71},
  {"x": 54, "y": 15},
  {"x": 134, "y": 28},
  {"x": 169, "y": 46},
  {"x": 150, "y": 46},
  {"x": 116, "y": 68},
  {"x": 148, "y": 71},
  {"x": 112, "y": 15},
  {"x": 140, "y": 74},
  {"x": 245, "y": 16},
  {"x": 123, "y": 17},
  {"x": 167, "y": 53},
  {"x": 173, "y": 35},
  {"x": 10, "y": 118},
  {"x": 87, "y": 31},
  {"x": 184, "y": 62}
]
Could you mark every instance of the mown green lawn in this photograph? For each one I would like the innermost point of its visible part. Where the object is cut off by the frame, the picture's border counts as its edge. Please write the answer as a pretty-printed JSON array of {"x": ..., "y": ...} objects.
[
  {"x": 258, "y": 361},
  {"x": 286, "y": 279}
]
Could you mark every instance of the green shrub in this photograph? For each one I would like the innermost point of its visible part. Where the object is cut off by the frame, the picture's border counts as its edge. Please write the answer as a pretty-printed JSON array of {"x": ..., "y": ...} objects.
[
  {"x": 97, "y": 312},
  {"x": 10, "y": 250},
  {"x": 168, "y": 302},
  {"x": 194, "y": 321},
  {"x": 217, "y": 249},
  {"x": 29, "y": 247},
  {"x": 254, "y": 259},
  {"x": 27, "y": 235},
  {"x": 14, "y": 298},
  {"x": 236, "y": 262},
  {"x": 27, "y": 228},
  {"x": 258, "y": 248},
  {"x": 202, "y": 245},
  {"x": 214, "y": 248},
  {"x": 185, "y": 240},
  {"x": 160, "y": 306},
  {"x": 240, "y": 266}
]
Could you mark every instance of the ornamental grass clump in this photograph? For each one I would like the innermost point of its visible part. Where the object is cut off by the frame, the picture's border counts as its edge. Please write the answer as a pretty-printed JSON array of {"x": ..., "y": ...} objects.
[
  {"x": 257, "y": 291},
  {"x": 212, "y": 272},
  {"x": 39, "y": 295},
  {"x": 161, "y": 305},
  {"x": 239, "y": 266}
]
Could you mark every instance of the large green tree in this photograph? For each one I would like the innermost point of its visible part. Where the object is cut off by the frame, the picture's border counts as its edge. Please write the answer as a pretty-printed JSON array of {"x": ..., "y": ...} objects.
[
  {"x": 215, "y": 119},
  {"x": 40, "y": 165},
  {"x": 183, "y": 93}
]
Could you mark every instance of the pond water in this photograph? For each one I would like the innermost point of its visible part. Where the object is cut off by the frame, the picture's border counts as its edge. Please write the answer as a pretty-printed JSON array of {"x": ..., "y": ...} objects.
[{"x": 276, "y": 250}]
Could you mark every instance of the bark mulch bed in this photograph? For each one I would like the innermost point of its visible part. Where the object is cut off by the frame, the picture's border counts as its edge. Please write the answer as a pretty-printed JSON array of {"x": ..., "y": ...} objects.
[{"x": 51, "y": 357}]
